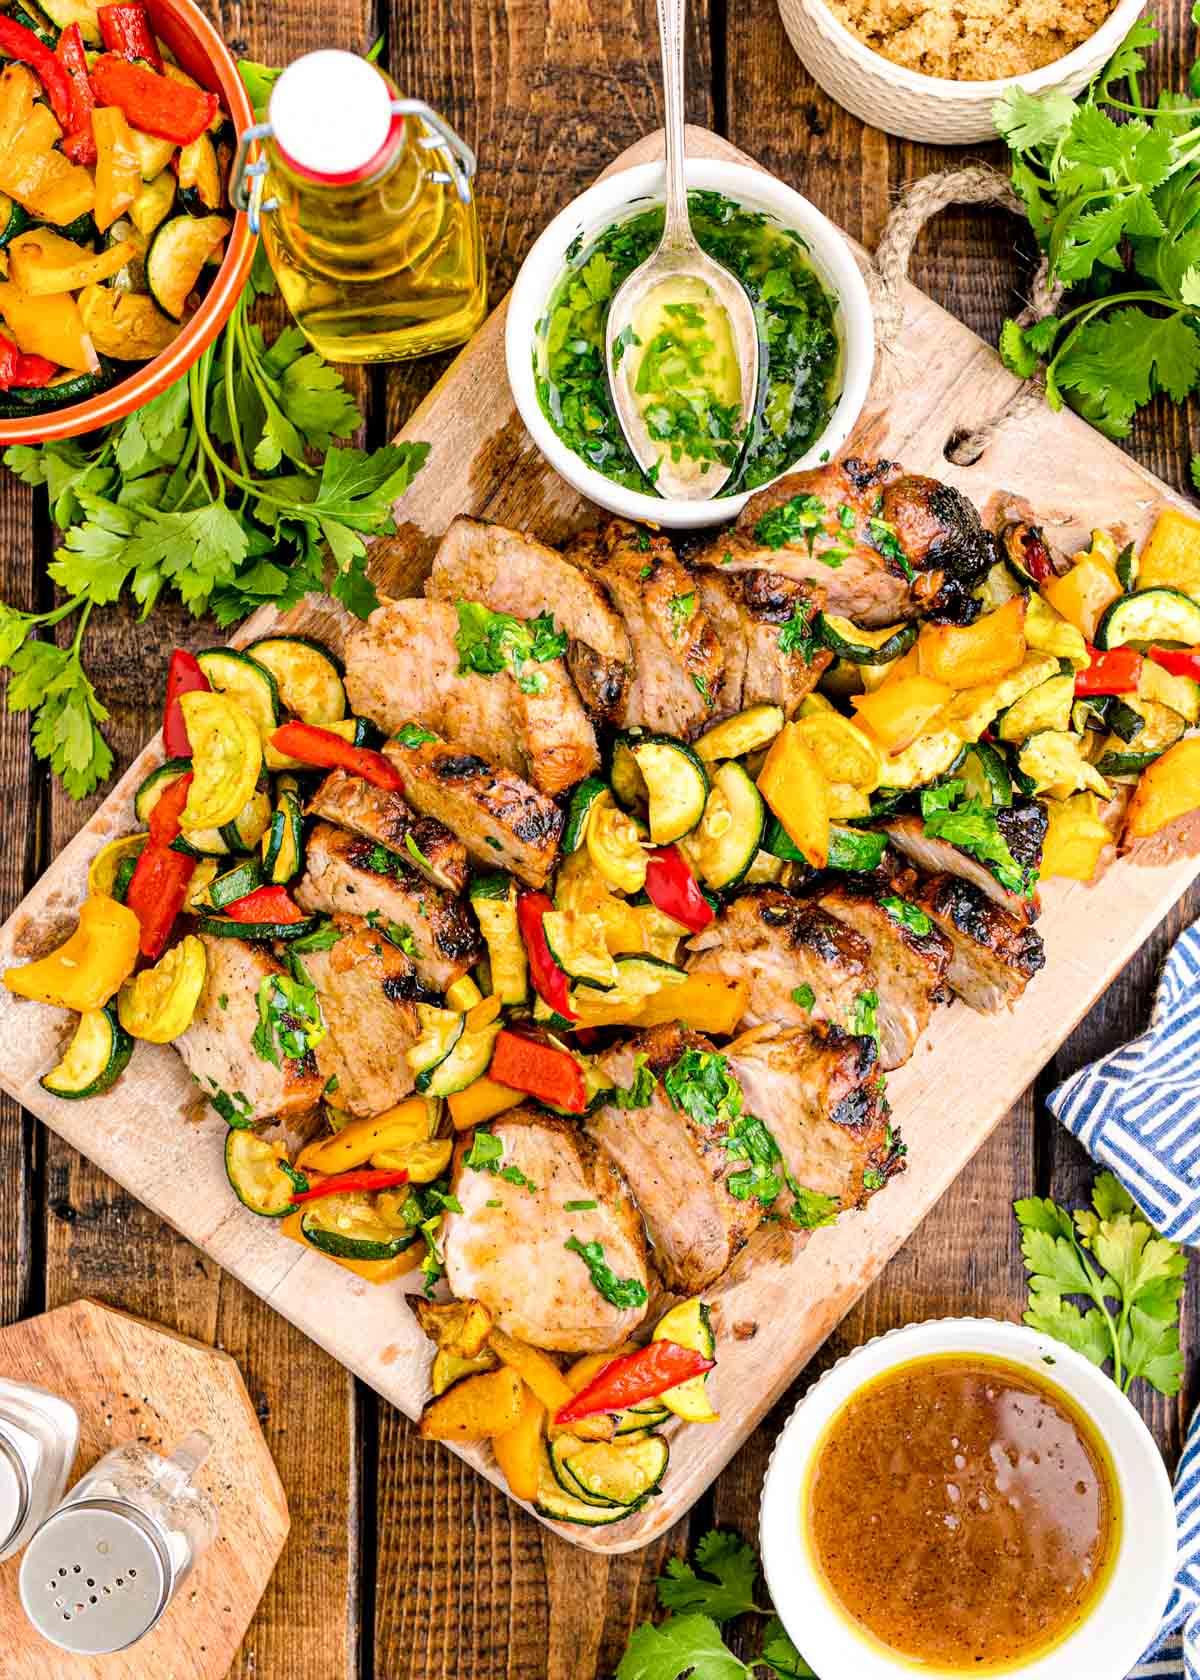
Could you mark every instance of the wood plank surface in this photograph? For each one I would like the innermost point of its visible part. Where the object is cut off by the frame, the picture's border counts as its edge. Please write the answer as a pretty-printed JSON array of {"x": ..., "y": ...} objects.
[{"x": 523, "y": 81}]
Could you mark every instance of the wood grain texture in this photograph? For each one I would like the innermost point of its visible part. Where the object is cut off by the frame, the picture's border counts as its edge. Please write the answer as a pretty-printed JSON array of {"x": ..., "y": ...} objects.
[{"x": 131, "y": 1381}]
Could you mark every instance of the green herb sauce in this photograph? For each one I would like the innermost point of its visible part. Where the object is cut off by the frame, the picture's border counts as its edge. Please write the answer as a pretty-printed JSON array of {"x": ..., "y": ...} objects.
[{"x": 799, "y": 349}]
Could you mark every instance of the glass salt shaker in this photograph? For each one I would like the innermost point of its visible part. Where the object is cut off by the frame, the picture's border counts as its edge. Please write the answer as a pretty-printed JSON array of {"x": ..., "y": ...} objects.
[
  {"x": 104, "y": 1566},
  {"x": 39, "y": 1437}
]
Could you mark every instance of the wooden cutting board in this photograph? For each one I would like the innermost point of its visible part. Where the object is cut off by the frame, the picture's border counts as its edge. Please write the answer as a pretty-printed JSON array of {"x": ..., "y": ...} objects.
[
  {"x": 147, "y": 1133},
  {"x": 132, "y": 1381}
]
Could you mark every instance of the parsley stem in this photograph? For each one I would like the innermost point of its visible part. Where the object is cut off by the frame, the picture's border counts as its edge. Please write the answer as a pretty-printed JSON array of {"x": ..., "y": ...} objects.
[
  {"x": 81, "y": 627},
  {"x": 234, "y": 338},
  {"x": 1087, "y": 310}
]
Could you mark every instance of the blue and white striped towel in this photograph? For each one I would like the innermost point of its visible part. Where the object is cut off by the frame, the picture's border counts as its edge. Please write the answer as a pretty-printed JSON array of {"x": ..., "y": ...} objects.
[{"x": 1137, "y": 1112}]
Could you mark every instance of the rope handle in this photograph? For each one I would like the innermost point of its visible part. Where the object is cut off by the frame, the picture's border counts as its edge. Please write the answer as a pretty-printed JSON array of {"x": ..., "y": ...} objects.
[{"x": 977, "y": 184}]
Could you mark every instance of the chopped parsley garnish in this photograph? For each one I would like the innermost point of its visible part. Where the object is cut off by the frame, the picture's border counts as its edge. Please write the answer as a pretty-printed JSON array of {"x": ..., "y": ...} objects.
[
  {"x": 486, "y": 1153},
  {"x": 621, "y": 1293},
  {"x": 810, "y": 1209},
  {"x": 702, "y": 689},
  {"x": 874, "y": 1178},
  {"x": 804, "y": 996},
  {"x": 855, "y": 848},
  {"x": 681, "y": 608},
  {"x": 799, "y": 634},
  {"x": 414, "y": 851},
  {"x": 701, "y": 1085},
  {"x": 645, "y": 573},
  {"x": 846, "y": 517},
  {"x": 223, "y": 1001},
  {"x": 396, "y": 933},
  {"x": 640, "y": 1092},
  {"x": 380, "y": 860},
  {"x": 916, "y": 921},
  {"x": 862, "y": 1017},
  {"x": 514, "y": 1175},
  {"x": 643, "y": 542},
  {"x": 887, "y": 542},
  {"x": 579, "y": 1207},
  {"x": 491, "y": 642},
  {"x": 412, "y": 735},
  {"x": 331, "y": 1085},
  {"x": 493, "y": 1202},
  {"x": 947, "y": 814},
  {"x": 750, "y": 1139},
  {"x": 289, "y": 1018},
  {"x": 623, "y": 340},
  {"x": 799, "y": 519},
  {"x": 320, "y": 939},
  {"x": 234, "y": 1110}
]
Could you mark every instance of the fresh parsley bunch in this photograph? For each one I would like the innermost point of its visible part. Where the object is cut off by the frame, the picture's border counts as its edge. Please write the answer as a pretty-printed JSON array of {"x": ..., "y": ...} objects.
[
  {"x": 226, "y": 490},
  {"x": 1110, "y": 1255},
  {"x": 1112, "y": 190},
  {"x": 689, "y": 1642}
]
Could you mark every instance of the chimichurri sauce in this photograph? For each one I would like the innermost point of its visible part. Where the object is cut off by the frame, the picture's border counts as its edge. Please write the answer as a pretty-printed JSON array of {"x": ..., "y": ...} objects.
[{"x": 798, "y": 344}]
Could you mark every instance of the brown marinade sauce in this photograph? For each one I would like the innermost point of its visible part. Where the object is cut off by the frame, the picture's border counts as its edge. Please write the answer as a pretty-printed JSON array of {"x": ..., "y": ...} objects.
[{"x": 962, "y": 1512}]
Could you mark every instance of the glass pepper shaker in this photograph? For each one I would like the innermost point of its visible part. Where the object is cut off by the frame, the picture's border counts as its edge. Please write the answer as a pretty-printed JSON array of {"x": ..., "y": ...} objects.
[
  {"x": 104, "y": 1566},
  {"x": 367, "y": 212},
  {"x": 39, "y": 1437}
]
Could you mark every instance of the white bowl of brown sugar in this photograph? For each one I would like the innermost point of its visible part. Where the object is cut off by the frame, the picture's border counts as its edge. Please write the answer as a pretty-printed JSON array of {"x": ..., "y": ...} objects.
[
  {"x": 932, "y": 69},
  {"x": 968, "y": 1497}
]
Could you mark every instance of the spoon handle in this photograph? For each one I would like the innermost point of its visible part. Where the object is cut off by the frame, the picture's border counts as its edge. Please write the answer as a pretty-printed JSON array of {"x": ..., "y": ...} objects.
[{"x": 678, "y": 231}]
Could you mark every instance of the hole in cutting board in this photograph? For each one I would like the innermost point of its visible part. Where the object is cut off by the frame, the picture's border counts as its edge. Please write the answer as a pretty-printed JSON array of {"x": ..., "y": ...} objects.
[{"x": 954, "y": 452}]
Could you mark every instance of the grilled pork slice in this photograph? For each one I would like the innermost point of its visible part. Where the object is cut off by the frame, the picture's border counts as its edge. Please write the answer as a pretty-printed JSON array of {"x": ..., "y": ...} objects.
[
  {"x": 993, "y": 955},
  {"x": 512, "y": 572},
  {"x": 783, "y": 945},
  {"x": 676, "y": 1163},
  {"x": 904, "y": 544},
  {"x": 820, "y": 1095},
  {"x": 500, "y": 819},
  {"x": 367, "y": 989},
  {"x": 379, "y": 815},
  {"x": 1023, "y": 826},
  {"x": 404, "y": 664},
  {"x": 218, "y": 1048},
  {"x": 508, "y": 1245},
  {"x": 749, "y": 611},
  {"x": 909, "y": 967},
  {"x": 347, "y": 875},
  {"x": 677, "y": 658}
]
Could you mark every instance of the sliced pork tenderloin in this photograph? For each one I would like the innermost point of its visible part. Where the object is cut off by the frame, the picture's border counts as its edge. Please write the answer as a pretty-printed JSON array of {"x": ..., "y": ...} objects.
[
  {"x": 993, "y": 955},
  {"x": 367, "y": 990},
  {"x": 378, "y": 814}
]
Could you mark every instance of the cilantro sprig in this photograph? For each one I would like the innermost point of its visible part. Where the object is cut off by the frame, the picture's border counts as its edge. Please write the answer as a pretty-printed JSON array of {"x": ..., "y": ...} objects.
[
  {"x": 232, "y": 488},
  {"x": 1111, "y": 187},
  {"x": 723, "y": 1585},
  {"x": 1111, "y": 1256}
]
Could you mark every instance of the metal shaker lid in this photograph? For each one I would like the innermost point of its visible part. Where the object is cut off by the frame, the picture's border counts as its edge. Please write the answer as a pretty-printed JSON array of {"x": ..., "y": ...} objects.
[{"x": 95, "y": 1577}]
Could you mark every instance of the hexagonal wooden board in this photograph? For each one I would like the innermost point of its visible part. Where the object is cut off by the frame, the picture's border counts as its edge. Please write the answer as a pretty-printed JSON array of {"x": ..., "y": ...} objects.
[{"x": 130, "y": 1380}]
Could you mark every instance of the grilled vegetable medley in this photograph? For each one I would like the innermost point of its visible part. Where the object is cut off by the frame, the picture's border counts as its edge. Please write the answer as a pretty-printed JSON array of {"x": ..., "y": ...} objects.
[
  {"x": 114, "y": 166},
  {"x": 562, "y": 929}
]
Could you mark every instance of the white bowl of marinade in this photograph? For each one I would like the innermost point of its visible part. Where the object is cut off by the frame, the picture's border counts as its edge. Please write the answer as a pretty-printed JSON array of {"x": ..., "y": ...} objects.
[{"x": 968, "y": 1497}]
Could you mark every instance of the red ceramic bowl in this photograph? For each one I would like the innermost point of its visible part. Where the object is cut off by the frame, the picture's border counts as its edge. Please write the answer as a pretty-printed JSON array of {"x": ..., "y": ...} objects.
[{"x": 203, "y": 54}]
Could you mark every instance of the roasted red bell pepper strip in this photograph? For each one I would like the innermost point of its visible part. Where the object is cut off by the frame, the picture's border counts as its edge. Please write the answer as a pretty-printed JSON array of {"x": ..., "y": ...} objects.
[
  {"x": 633, "y": 1377},
  {"x": 20, "y": 43},
  {"x": 549, "y": 981},
  {"x": 546, "y": 1072},
  {"x": 153, "y": 103},
  {"x": 1180, "y": 662},
  {"x": 673, "y": 889},
  {"x": 184, "y": 676},
  {"x": 79, "y": 143},
  {"x": 126, "y": 30},
  {"x": 314, "y": 745},
  {"x": 266, "y": 904},
  {"x": 362, "y": 1178},
  {"x": 33, "y": 371},
  {"x": 1113, "y": 672},
  {"x": 164, "y": 818},
  {"x": 156, "y": 893}
]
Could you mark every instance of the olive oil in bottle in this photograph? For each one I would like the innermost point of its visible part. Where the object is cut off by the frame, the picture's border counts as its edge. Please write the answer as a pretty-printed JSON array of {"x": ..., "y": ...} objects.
[{"x": 368, "y": 214}]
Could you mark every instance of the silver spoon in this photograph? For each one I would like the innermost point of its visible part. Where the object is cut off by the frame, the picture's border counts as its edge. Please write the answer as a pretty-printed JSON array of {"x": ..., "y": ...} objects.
[{"x": 678, "y": 254}]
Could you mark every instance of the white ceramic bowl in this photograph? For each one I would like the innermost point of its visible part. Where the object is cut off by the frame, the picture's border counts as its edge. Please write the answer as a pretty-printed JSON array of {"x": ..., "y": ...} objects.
[
  {"x": 902, "y": 101},
  {"x": 1126, "y": 1616},
  {"x": 624, "y": 194}
]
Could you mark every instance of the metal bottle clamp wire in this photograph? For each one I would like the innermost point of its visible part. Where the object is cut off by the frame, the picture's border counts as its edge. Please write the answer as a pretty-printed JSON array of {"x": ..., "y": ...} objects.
[{"x": 246, "y": 189}]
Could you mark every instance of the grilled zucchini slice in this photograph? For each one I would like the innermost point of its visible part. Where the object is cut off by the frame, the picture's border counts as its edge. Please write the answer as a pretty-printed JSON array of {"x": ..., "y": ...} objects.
[
  {"x": 1048, "y": 706},
  {"x": 243, "y": 679},
  {"x": 729, "y": 835},
  {"x": 178, "y": 251},
  {"x": 1134, "y": 748},
  {"x": 675, "y": 780},
  {"x": 245, "y": 832},
  {"x": 577, "y": 944},
  {"x": 1150, "y": 615},
  {"x": 620, "y": 1473},
  {"x": 308, "y": 678},
  {"x": 235, "y": 883},
  {"x": 553, "y": 1501},
  {"x": 151, "y": 790},
  {"x": 494, "y": 901},
  {"x": 283, "y": 841},
  {"x": 579, "y": 810},
  {"x": 347, "y": 1227},
  {"x": 743, "y": 733},
  {"x": 985, "y": 775},
  {"x": 95, "y": 1058},
  {"x": 441, "y": 1030},
  {"x": 689, "y": 1324},
  {"x": 865, "y": 647},
  {"x": 263, "y": 1179}
]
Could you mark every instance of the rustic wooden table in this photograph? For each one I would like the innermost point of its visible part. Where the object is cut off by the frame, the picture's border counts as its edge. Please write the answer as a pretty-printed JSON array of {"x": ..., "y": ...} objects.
[{"x": 402, "y": 1564}]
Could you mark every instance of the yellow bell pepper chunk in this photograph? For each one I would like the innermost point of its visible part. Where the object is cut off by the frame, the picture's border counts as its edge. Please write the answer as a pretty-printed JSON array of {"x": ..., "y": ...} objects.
[
  {"x": 897, "y": 712},
  {"x": 226, "y": 759},
  {"x": 40, "y": 179},
  {"x": 481, "y": 1101},
  {"x": 411, "y": 1121},
  {"x": 84, "y": 972},
  {"x": 1075, "y": 838},
  {"x": 1171, "y": 557},
  {"x": 118, "y": 166},
  {"x": 968, "y": 655},
  {"x": 43, "y": 262},
  {"x": 48, "y": 326},
  {"x": 1084, "y": 592},
  {"x": 792, "y": 784},
  {"x": 519, "y": 1450},
  {"x": 158, "y": 1004},
  {"x": 1169, "y": 788}
]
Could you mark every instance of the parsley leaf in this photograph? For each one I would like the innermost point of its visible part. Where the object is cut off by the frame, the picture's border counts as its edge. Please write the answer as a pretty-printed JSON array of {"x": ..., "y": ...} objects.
[
  {"x": 887, "y": 542},
  {"x": 908, "y": 915},
  {"x": 322, "y": 938},
  {"x": 491, "y": 642},
  {"x": 412, "y": 735},
  {"x": 690, "y": 1645},
  {"x": 799, "y": 519},
  {"x": 639, "y": 1093},
  {"x": 701, "y": 1084},
  {"x": 726, "y": 1586},
  {"x": 621, "y": 1293},
  {"x": 1106, "y": 1254},
  {"x": 799, "y": 634},
  {"x": 947, "y": 814},
  {"x": 804, "y": 996},
  {"x": 811, "y": 1209},
  {"x": 862, "y": 1019},
  {"x": 289, "y": 1018},
  {"x": 681, "y": 609}
]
